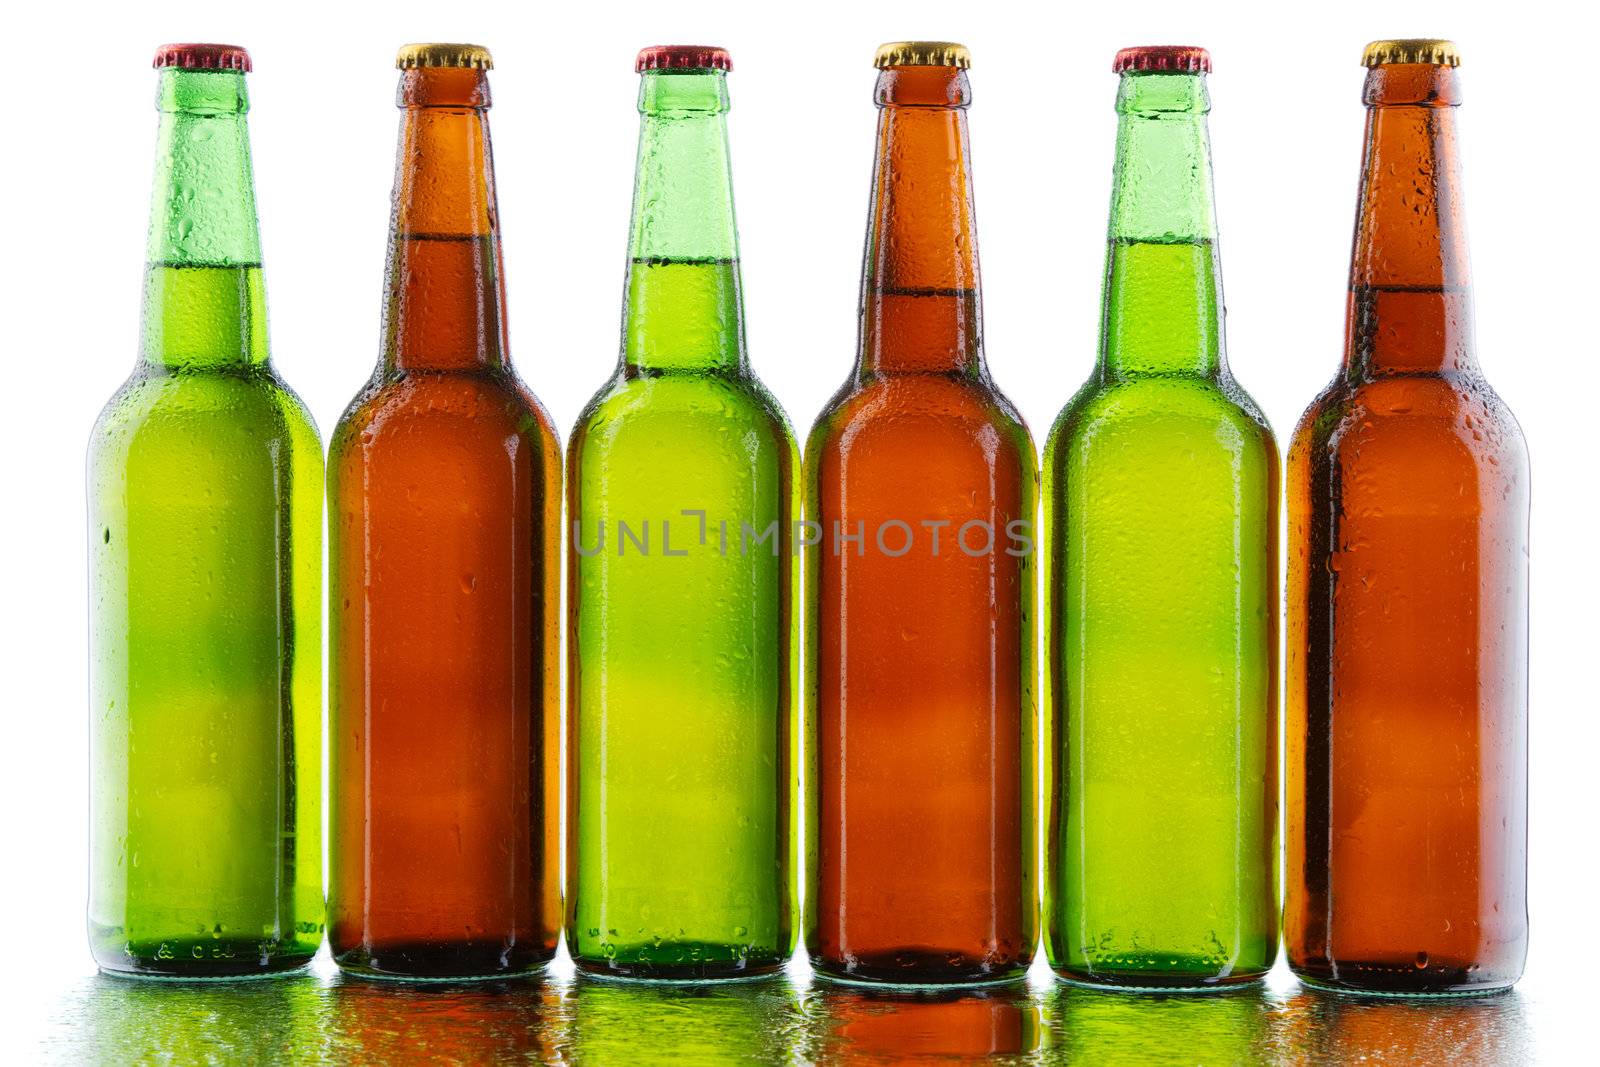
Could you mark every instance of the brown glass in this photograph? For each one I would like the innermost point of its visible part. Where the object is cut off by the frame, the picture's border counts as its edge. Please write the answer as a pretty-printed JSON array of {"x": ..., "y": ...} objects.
[
  {"x": 1408, "y": 588},
  {"x": 444, "y": 512},
  {"x": 922, "y": 660}
]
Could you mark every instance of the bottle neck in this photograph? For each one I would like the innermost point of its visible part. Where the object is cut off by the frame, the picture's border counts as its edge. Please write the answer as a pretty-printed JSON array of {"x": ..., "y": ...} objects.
[
  {"x": 683, "y": 309},
  {"x": 1410, "y": 304},
  {"x": 1162, "y": 305},
  {"x": 445, "y": 293},
  {"x": 921, "y": 311},
  {"x": 204, "y": 301}
]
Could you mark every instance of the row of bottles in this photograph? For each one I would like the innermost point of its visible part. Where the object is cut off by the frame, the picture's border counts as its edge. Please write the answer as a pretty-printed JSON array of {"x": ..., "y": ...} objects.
[{"x": 690, "y": 520}]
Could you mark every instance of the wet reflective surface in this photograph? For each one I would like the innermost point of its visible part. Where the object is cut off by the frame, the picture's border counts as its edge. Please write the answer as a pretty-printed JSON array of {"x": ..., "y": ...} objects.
[{"x": 324, "y": 1018}]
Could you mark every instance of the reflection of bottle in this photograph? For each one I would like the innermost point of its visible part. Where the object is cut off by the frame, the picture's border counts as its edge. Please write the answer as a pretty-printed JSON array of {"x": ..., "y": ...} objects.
[
  {"x": 1407, "y": 694},
  {"x": 1315, "y": 1028},
  {"x": 1161, "y": 482},
  {"x": 681, "y": 586},
  {"x": 444, "y": 599},
  {"x": 235, "y": 1022},
  {"x": 1093, "y": 1027},
  {"x": 887, "y": 1026},
  {"x": 726, "y": 1022},
  {"x": 922, "y": 478},
  {"x": 495, "y": 1022},
  {"x": 205, "y": 512}
]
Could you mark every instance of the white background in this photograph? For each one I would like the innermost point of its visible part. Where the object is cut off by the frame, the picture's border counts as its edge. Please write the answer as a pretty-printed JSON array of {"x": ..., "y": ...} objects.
[{"x": 1285, "y": 129}]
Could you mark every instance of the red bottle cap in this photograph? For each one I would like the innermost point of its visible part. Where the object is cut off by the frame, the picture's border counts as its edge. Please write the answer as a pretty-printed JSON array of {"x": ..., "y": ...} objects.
[
  {"x": 1174, "y": 58},
  {"x": 203, "y": 57},
  {"x": 682, "y": 57}
]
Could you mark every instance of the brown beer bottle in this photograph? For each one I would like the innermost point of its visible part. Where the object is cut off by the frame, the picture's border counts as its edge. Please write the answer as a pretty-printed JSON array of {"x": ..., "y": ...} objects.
[
  {"x": 1407, "y": 751},
  {"x": 444, "y": 515},
  {"x": 922, "y": 483}
]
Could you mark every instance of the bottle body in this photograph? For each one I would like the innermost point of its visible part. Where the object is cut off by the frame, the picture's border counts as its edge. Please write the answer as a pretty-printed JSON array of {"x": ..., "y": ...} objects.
[
  {"x": 1407, "y": 602},
  {"x": 922, "y": 485},
  {"x": 205, "y": 526},
  {"x": 922, "y": 685},
  {"x": 1407, "y": 689},
  {"x": 682, "y": 687},
  {"x": 444, "y": 501},
  {"x": 1161, "y": 604},
  {"x": 681, "y": 594},
  {"x": 1161, "y": 601}
]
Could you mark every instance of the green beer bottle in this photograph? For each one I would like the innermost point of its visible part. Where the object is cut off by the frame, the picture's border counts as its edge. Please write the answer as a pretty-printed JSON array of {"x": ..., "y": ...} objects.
[
  {"x": 205, "y": 526},
  {"x": 1161, "y": 591},
  {"x": 682, "y": 585}
]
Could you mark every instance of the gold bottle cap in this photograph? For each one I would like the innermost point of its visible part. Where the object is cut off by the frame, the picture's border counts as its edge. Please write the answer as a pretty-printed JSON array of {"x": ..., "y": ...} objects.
[
  {"x": 922, "y": 54},
  {"x": 1412, "y": 50},
  {"x": 470, "y": 56}
]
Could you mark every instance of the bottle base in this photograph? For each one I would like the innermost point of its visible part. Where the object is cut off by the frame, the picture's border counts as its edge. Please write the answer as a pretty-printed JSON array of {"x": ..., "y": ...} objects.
[
  {"x": 676, "y": 971},
  {"x": 918, "y": 970},
  {"x": 1160, "y": 983},
  {"x": 1401, "y": 982},
  {"x": 445, "y": 963},
  {"x": 218, "y": 961}
]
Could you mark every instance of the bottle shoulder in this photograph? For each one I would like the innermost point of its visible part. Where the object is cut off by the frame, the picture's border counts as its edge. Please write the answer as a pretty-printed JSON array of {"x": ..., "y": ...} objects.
[
  {"x": 1191, "y": 408},
  {"x": 163, "y": 408},
  {"x": 408, "y": 402},
  {"x": 1401, "y": 415},
  {"x": 911, "y": 405},
  {"x": 712, "y": 400}
]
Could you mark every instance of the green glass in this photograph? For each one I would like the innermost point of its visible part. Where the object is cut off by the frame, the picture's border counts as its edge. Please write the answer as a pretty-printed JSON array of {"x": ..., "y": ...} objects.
[
  {"x": 1161, "y": 591},
  {"x": 682, "y": 585},
  {"x": 205, "y": 526}
]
